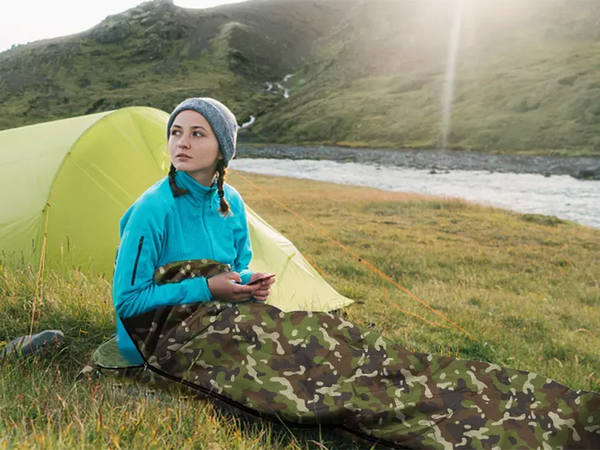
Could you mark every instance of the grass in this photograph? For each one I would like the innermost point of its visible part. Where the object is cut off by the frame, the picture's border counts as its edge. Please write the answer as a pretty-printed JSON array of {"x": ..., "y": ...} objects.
[
  {"x": 525, "y": 286},
  {"x": 369, "y": 113}
]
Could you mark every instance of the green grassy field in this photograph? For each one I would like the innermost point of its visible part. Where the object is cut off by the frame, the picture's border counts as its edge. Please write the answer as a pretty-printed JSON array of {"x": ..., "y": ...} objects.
[{"x": 525, "y": 286}]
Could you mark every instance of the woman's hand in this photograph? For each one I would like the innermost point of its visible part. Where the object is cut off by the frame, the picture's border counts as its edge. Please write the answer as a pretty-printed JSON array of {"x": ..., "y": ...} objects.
[
  {"x": 225, "y": 287},
  {"x": 264, "y": 287}
]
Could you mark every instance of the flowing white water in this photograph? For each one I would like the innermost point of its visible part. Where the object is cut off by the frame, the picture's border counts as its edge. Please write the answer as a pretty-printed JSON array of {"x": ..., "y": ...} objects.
[
  {"x": 250, "y": 122},
  {"x": 561, "y": 196}
]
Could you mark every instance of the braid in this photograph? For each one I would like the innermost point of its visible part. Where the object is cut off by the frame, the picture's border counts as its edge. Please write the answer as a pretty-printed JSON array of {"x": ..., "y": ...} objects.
[
  {"x": 176, "y": 190},
  {"x": 222, "y": 172}
]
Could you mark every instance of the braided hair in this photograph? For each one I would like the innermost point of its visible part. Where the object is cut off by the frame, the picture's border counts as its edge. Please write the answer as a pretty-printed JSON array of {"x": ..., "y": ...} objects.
[
  {"x": 176, "y": 190},
  {"x": 221, "y": 174}
]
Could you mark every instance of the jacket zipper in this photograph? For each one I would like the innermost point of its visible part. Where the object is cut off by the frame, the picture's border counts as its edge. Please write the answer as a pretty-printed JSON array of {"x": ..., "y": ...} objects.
[{"x": 137, "y": 260}]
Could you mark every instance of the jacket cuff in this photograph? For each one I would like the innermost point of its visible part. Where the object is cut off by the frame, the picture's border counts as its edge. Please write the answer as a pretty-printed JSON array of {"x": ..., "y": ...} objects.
[
  {"x": 245, "y": 276},
  {"x": 205, "y": 294}
]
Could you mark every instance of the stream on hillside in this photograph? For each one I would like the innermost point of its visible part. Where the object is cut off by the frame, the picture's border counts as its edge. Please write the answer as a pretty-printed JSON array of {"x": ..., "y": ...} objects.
[{"x": 558, "y": 195}]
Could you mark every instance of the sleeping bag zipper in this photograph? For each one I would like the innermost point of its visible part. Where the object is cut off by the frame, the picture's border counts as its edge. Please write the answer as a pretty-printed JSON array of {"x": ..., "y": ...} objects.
[{"x": 137, "y": 259}]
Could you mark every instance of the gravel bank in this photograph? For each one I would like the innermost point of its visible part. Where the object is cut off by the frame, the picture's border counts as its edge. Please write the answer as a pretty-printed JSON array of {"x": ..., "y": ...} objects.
[{"x": 431, "y": 159}]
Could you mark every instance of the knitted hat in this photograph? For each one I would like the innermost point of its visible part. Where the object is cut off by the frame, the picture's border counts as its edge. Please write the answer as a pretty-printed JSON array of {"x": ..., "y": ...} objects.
[{"x": 221, "y": 119}]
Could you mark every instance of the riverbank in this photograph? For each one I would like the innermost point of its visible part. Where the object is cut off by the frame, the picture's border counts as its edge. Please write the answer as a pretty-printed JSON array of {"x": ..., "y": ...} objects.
[
  {"x": 558, "y": 196},
  {"x": 432, "y": 160}
]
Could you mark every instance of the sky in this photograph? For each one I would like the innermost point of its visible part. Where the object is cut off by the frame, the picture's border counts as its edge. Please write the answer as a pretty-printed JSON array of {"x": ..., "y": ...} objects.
[{"x": 31, "y": 20}]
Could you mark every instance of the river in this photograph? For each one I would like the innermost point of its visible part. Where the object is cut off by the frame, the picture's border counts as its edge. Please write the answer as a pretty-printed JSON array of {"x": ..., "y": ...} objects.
[{"x": 558, "y": 195}]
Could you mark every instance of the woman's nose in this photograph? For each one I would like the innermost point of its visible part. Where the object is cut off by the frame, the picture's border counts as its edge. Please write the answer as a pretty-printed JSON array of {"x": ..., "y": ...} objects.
[{"x": 183, "y": 142}]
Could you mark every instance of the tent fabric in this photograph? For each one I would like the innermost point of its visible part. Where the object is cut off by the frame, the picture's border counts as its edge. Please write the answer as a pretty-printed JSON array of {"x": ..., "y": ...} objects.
[
  {"x": 299, "y": 285},
  {"x": 78, "y": 172},
  {"x": 30, "y": 157},
  {"x": 78, "y": 176},
  {"x": 318, "y": 369}
]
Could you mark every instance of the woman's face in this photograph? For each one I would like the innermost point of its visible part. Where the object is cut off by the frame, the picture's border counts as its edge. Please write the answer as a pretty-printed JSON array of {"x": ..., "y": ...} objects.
[{"x": 193, "y": 147}]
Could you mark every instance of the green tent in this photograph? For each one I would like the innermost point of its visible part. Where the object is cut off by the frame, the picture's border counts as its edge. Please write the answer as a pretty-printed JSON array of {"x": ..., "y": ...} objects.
[{"x": 71, "y": 181}]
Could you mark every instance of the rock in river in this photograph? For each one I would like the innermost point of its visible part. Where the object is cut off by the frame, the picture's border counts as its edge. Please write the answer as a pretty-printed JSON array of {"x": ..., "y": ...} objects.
[{"x": 592, "y": 173}]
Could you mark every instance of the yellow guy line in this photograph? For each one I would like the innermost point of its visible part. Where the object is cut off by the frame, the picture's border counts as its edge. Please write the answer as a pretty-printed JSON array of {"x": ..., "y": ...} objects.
[
  {"x": 39, "y": 282},
  {"x": 354, "y": 255}
]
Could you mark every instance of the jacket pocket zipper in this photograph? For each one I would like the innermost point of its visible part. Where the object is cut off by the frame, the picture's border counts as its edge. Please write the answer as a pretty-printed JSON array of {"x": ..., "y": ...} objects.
[{"x": 137, "y": 259}]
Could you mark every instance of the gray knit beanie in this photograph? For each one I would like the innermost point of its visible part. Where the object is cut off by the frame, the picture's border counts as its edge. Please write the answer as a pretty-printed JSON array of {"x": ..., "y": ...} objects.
[{"x": 221, "y": 119}]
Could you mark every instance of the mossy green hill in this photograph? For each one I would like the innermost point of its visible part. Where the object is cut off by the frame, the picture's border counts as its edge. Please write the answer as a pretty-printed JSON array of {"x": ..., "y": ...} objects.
[
  {"x": 156, "y": 54},
  {"x": 366, "y": 73},
  {"x": 526, "y": 78}
]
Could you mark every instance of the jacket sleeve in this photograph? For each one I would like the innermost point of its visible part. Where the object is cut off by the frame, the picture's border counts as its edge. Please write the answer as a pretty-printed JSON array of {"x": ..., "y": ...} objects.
[
  {"x": 134, "y": 291},
  {"x": 242, "y": 245}
]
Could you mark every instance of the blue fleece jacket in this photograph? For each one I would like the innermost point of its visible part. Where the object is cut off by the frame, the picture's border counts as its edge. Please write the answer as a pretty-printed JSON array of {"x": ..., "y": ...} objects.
[{"x": 160, "y": 228}]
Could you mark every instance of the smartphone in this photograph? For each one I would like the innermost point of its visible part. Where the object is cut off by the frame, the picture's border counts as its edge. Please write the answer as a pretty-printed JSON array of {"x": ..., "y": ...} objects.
[{"x": 258, "y": 280}]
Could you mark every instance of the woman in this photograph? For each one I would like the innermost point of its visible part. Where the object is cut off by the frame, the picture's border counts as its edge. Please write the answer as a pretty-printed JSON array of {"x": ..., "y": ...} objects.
[
  {"x": 190, "y": 215},
  {"x": 301, "y": 367}
]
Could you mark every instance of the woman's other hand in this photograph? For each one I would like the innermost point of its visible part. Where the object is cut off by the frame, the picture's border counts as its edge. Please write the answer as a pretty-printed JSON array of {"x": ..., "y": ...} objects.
[
  {"x": 226, "y": 287},
  {"x": 264, "y": 287}
]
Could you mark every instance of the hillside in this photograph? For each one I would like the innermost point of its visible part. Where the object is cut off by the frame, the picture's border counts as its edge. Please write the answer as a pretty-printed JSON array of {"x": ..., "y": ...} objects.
[
  {"x": 369, "y": 73},
  {"x": 157, "y": 54},
  {"x": 526, "y": 78}
]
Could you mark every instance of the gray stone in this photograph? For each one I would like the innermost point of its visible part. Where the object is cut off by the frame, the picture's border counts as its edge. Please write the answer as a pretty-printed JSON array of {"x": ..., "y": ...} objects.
[{"x": 592, "y": 173}]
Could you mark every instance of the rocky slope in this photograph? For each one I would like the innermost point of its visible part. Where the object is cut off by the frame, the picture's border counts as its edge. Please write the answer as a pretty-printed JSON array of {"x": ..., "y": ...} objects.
[{"x": 157, "y": 54}]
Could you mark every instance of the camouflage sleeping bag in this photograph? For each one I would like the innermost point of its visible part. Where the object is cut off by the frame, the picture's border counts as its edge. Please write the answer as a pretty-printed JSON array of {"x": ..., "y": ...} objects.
[{"x": 311, "y": 369}]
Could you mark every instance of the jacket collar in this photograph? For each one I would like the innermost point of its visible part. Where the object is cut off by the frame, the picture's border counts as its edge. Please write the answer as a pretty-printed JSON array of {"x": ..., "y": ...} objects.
[{"x": 197, "y": 193}]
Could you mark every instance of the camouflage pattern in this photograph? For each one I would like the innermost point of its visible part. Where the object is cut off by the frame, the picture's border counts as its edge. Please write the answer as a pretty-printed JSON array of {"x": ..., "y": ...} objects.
[
  {"x": 120, "y": 375},
  {"x": 180, "y": 270},
  {"x": 319, "y": 369}
]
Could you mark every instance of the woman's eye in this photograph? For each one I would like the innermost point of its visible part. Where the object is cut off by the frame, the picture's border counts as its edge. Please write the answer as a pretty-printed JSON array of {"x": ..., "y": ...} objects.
[
  {"x": 174, "y": 132},
  {"x": 197, "y": 133}
]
